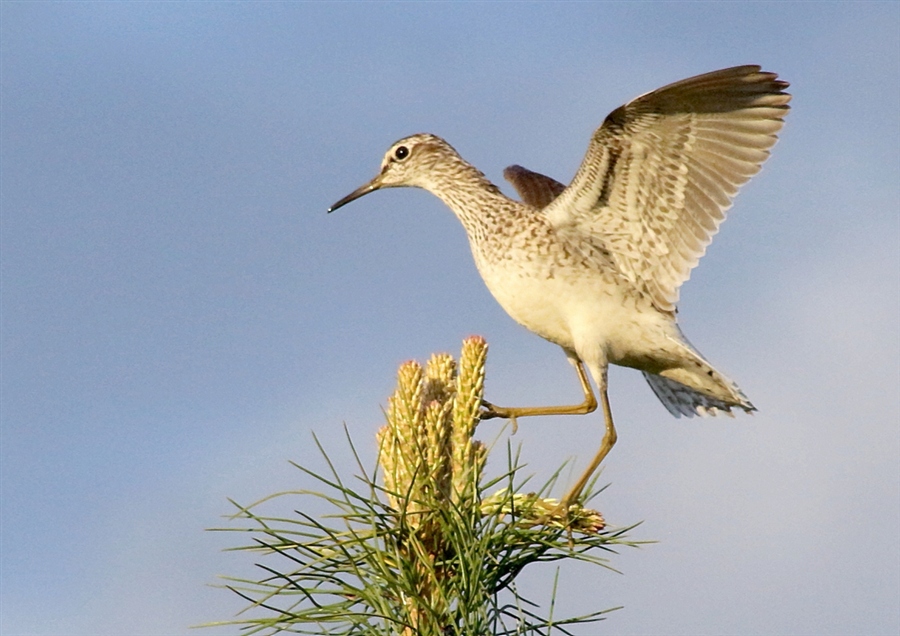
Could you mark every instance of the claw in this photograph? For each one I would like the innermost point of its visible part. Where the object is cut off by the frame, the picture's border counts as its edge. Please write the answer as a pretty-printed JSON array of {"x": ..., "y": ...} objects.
[{"x": 490, "y": 411}]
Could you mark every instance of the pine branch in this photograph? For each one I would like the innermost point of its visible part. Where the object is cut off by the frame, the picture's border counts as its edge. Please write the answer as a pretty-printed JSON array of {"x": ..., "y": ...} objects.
[{"x": 424, "y": 553}]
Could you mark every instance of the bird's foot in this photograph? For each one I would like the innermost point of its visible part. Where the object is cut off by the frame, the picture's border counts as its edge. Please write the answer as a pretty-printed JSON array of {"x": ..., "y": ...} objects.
[
  {"x": 573, "y": 517},
  {"x": 532, "y": 510},
  {"x": 490, "y": 411}
]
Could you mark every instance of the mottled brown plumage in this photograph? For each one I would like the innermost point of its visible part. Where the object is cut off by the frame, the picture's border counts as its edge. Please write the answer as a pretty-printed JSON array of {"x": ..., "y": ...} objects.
[{"x": 595, "y": 267}]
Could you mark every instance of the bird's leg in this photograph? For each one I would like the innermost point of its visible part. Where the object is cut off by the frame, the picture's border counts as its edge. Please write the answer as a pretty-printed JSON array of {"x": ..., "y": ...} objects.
[
  {"x": 609, "y": 440},
  {"x": 511, "y": 413}
]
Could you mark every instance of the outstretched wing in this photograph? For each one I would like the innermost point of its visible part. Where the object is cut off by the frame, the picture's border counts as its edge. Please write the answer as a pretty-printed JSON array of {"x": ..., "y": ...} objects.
[
  {"x": 661, "y": 171},
  {"x": 536, "y": 189}
]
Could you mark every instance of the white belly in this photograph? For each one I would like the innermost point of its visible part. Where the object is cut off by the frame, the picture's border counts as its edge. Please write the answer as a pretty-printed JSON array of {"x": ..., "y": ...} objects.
[{"x": 590, "y": 315}]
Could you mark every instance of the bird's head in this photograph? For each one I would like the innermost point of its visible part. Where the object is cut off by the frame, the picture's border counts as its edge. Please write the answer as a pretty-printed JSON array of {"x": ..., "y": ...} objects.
[{"x": 410, "y": 162}]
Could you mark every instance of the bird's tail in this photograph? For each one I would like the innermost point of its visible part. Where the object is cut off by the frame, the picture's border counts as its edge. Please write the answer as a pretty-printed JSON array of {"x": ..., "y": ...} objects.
[
  {"x": 681, "y": 399},
  {"x": 694, "y": 387}
]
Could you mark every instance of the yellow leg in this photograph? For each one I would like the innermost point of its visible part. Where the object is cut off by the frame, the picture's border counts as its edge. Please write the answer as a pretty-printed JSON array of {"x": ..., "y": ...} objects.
[
  {"x": 609, "y": 440},
  {"x": 588, "y": 406}
]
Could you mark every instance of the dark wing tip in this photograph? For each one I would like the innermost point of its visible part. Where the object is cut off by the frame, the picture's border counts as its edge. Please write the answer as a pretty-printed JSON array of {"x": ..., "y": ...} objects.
[
  {"x": 725, "y": 90},
  {"x": 510, "y": 173},
  {"x": 535, "y": 189}
]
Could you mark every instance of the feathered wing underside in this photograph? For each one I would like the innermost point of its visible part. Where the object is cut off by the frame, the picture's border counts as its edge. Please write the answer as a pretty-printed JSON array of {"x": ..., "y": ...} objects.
[{"x": 661, "y": 171}]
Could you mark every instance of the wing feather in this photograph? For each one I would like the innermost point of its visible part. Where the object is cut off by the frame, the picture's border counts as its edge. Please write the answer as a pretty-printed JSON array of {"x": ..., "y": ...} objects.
[
  {"x": 534, "y": 188},
  {"x": 662, "y": 170}
]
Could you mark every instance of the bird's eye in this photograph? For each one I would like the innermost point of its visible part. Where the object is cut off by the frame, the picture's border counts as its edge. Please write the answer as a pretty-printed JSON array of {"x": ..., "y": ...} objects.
[{"x": 401, "y": 153}]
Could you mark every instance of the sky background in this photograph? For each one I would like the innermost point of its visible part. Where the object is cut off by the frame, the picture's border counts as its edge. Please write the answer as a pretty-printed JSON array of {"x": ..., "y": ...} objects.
[{"x": 180, "y": 315}]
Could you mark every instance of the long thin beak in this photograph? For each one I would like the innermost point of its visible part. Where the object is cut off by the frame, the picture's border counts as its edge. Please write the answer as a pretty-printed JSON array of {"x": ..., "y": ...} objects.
[{"x": 371, "y": 186}]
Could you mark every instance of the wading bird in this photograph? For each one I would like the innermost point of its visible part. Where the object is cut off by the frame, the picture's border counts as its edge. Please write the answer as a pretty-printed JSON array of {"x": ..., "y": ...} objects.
[{"x": 596, "y": 266}]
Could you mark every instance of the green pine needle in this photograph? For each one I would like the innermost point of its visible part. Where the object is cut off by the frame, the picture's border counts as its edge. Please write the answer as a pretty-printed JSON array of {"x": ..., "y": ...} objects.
[{"x": 426, "y": 552}]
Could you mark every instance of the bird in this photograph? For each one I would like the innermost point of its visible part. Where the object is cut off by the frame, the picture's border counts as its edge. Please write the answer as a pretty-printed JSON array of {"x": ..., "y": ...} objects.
[{"x": 596, "y": 266}]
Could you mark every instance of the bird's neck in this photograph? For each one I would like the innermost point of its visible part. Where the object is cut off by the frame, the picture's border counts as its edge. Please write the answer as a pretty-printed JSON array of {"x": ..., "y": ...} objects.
[{"x": 477, "y": 203}]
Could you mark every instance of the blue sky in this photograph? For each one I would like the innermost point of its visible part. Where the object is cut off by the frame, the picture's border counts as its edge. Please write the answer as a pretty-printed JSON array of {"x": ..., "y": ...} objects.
[{"x": 179, "y": 313}]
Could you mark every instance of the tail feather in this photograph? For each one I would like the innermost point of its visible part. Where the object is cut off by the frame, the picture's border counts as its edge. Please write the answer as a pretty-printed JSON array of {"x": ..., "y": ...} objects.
[
  {"x": 682, "y": 400},
  {"x": 692, "y": 386}
]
